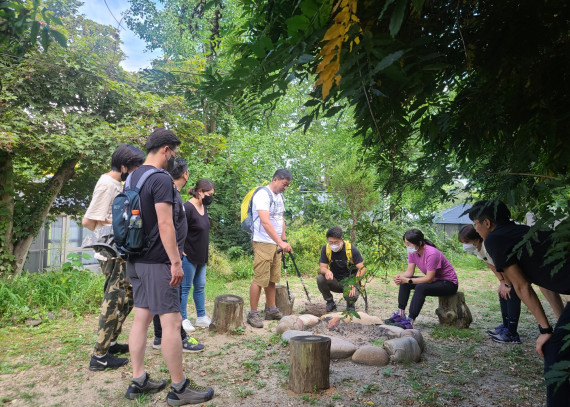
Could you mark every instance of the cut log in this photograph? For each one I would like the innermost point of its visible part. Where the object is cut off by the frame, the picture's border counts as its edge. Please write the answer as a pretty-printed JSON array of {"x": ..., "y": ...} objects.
[
  {"x": 309, "y": 363},
  {"x": 228, "y": 313},
  {"x": 282, "y": 300},
  {"x": 453, "y": 311}
]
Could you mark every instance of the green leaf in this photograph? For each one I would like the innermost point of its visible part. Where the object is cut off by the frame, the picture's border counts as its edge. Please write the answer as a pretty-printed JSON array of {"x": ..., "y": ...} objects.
[
  {"x": 59, "y": 37},
  {"x": 312, "y": 102},
  {"x": 386, "y": 5},
  {"x": 34, "y": 31},
  {"x": 387, "y": 61},
  {"x": 333, "y": 110},
  {"x": 418, "y": 5},
  {"x": 397, "y": 17},
  {"x": 296, "y": 23},
  {"x": 45, "y": 38},
  {"x": 304, "y": 58}
]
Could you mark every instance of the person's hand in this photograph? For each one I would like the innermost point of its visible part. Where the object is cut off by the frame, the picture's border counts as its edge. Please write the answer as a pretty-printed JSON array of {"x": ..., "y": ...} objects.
[
  {"x": 177, "y": 274},
  {"x": 352, "y": 292},
  {"x": 286, "y": 247},
  {"x": 540, "y": 341},
  {"x": 504, "y": 291},
  {"x": 329, "y": 275},
  {"x": 398, "y": 279}
]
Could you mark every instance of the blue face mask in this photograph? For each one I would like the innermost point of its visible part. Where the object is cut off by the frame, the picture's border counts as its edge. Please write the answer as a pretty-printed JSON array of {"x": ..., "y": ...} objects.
[{"x": 411, "y": 249}]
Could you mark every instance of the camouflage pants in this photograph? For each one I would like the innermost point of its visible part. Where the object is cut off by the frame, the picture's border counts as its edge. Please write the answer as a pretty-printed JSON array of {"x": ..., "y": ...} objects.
[{"x": 117, "y": 303}]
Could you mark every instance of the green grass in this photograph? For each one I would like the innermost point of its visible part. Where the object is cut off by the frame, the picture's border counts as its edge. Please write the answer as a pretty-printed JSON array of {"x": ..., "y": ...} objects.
[{"x": 447, "y": 332}]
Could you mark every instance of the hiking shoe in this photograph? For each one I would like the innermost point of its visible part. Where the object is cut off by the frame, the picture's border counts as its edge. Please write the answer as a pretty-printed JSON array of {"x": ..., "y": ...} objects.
[
  {"x": 394, "y": 319},
  {"x": 350, "y": 306},
  {"x": 119, "y": 348},
  {"x": 254, "y": 320},
  {"x": 192, "y": 345},
  {"x": 190, "y": 393},
  {"x": 203, "y": 322},
  {"x": 148, "y": 387},
  {"x": 506, "y": 337},
  {"x": 187, "y": 325},
  {"x": 405, "y": 323},
  {"x": 496, "y": 330},
  {"x": 331, "y": 306},
  {"x": 157, "y": 344},
  {"x": 273, "y": 315},
  {"x": 106, "y": 362}
]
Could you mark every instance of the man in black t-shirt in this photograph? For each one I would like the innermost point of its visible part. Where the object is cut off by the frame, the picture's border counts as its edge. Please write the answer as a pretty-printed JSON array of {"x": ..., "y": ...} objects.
[
  {"x": 338, "y": 263},
  {"x": 525, "y": 266},
  {"x": 156, "y": 276}
]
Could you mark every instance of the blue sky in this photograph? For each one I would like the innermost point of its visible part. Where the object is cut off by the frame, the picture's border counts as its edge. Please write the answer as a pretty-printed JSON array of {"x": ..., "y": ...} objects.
[{"x": 133, "y": 47}]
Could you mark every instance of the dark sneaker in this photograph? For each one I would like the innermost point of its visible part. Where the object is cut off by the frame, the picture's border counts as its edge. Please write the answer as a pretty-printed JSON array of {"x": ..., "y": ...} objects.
[
  {"x": 394, "y": 319},
  {"x": 148, "y": 387},
  {"x": 273, "y": 315},
  {"x": 350, "y": 306},
  {"x": 192, "y": 345},
  {"x": 405, "y": 323},
  {"x": 119, "y": 348},
  {"x": 254, "y": 320},
  {"x": 496, "y": 330},
  {"x": 331, "y": 306},
  {"x": 506, "y": 337},
  {"x": 107, "y": 362},
  {"x": 190, "y": 393},
  {"x": 157, "y": 344}
]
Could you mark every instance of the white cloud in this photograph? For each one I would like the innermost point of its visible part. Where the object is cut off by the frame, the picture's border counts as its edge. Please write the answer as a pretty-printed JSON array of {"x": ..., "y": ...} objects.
[{"x": 134, "y": 48}]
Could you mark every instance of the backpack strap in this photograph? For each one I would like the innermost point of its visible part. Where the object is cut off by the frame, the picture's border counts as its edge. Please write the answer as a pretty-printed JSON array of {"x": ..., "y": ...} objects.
[
  {"x": 328, "y": 251},
  {"x": 251, "y": 203}
]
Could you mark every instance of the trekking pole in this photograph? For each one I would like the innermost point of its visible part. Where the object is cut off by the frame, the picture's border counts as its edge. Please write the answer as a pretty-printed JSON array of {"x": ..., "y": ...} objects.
[
  {"x": 285, "y": 271},
  {"x": 300, "y": 278}
]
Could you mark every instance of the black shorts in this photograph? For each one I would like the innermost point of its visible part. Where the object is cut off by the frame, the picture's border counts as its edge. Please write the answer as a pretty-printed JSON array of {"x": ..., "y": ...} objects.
[{"x": 151, "y": 288}]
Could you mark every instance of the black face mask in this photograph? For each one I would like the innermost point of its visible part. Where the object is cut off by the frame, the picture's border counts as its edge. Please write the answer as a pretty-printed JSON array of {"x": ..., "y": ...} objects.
[
  {"x": 170, "y": 165},
  {"x": 124, "y": 176},
  {"x": 207, "y": 200}
]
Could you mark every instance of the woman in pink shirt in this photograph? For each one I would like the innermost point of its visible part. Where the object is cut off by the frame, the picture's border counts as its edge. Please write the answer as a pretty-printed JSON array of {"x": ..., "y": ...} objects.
[{"x": 439, "y": 278}]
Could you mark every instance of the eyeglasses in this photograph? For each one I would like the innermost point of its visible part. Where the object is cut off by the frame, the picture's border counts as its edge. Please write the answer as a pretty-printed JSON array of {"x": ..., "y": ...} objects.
[{"x": 475, "y": 224}]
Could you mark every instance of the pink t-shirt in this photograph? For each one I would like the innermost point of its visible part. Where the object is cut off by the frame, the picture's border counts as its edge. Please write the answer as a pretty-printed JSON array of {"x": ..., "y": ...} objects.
[{"x": 433, "y": 259}]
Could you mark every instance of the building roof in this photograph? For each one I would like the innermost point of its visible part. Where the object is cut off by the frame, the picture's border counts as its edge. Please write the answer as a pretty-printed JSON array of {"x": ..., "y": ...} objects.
[{"x": 453, "y": 215}]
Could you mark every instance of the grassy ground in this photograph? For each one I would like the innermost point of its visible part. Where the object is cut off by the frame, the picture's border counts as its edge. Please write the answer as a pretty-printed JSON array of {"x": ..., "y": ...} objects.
[{"x": 47, "y": 365}]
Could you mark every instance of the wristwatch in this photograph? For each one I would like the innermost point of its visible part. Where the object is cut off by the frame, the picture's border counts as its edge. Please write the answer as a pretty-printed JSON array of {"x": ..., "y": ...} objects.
[
  {"x": 547, "y": 330},
  {"x": 410, "y": 281},
  {"x": 508, "y": 285}
]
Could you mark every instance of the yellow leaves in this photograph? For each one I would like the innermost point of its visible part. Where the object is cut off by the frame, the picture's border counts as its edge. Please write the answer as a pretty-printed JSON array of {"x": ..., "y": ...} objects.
[{"x": 335, "y": 36}]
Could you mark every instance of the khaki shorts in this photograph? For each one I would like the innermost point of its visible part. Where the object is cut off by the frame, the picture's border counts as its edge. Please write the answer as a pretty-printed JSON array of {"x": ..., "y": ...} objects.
[{"x": 266, "y": 264}]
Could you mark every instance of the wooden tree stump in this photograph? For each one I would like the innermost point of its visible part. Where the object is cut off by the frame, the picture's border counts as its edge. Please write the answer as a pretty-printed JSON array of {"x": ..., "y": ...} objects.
[
  {"x": 309, "y": 363},
  {"x": 228, "y": 313},
  {"x": 282, "y": 300},
  {"x": 453, "y": 311},
  {"x": 316, "y": 309}
]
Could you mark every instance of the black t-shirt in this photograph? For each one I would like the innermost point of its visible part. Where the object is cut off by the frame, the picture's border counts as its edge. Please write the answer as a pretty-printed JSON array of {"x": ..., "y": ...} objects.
[
  {"x": 198, "y": 237},
  {"x": 504, "y": 238},
  {"x": 158, "y": 188},
  {"x": 339, "y": 260}
]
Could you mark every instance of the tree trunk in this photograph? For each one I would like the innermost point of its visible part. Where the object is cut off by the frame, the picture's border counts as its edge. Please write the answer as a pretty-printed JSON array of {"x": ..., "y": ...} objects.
[
  {"x": 64, "y": 173},
  {"x": 453, "y": 311},
  {"x": 309, "y": 363},
  {"x": 6, "y": 212},
  {"x": 228, "y": 313}
]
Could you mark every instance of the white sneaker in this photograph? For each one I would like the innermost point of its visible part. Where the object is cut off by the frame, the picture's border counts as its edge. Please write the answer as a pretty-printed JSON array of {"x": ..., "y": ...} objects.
[
  {"x": 187, "y": 325},
  {"x": 203, "y": 322}
]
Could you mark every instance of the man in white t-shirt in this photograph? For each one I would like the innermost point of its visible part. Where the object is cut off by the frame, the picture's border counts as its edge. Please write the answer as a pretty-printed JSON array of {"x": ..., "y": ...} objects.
[
  {"x": 268, "y": 208},
  {"x": 117, "y": 295}
]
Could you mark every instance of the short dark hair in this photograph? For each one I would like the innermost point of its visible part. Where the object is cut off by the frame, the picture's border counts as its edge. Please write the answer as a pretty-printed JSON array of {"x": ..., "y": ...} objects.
[
  {"x": 496, "y": 211},
  {"x": 180, "y": 167},
  {"x": 203, "y": 184},
  {"x": 468, "y": 232},
  {"x": 415, "y": 236},
  {"x": 126, "y": 155},
  {"x": 335, "y": 232},
  {"x": 161, "y": 137},
  {"x": 282, "y": 173}
]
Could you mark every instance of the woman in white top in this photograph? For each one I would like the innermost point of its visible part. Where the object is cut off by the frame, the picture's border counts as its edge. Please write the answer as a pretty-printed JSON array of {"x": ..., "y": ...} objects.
[{"x": 510, "y": 302}]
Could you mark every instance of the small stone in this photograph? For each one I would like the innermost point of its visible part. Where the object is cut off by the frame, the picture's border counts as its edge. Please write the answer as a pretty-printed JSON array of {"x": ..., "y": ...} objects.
[
  {"x": 333, "y": 323},
  {"x": 371, "y": 355},
  {"x": 309, "y": 320},
  {"x": 50, "y": 315},
  {"x": 33, "y": 322}
]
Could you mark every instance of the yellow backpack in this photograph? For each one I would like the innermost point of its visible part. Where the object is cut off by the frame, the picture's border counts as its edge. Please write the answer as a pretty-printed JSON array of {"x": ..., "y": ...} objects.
[
  {"x": 348, "y": 249},
  {"x": 247, "y": 219}
]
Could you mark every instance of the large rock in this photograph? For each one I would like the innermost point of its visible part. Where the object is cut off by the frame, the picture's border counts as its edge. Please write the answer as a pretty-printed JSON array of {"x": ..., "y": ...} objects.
[
  {"x": 309, "y": 321},
  {"x": 389, "y": 331},
  {"x": 286, "y": 323},
  {"x": 292, "y": 333},
  {"x": 416, "y": 334},
  {"x": 403, "y": 349},
  {"x": 366, "y": 319},
  {"x": 341, "y": 349},
  {"x": 371, "y": 355}
]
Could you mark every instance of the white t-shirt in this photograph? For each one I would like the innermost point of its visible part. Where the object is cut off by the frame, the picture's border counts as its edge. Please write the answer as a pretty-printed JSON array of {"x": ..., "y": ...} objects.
[
  {"x": 106, "y": 190},
  {"x": 261, "y": 202},
  {"x": 483, "y": 255}
]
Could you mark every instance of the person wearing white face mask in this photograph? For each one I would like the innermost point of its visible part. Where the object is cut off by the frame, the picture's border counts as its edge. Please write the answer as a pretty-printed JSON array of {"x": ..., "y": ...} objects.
[
  {"x": 339, "y": 259},
  {"x": 439, "y": 278},
  {"x": 508, "y": 299}
]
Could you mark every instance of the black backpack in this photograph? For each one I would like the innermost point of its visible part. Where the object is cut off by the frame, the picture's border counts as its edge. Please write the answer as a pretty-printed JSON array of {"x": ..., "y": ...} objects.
[{"x": 128, "y": 230}]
